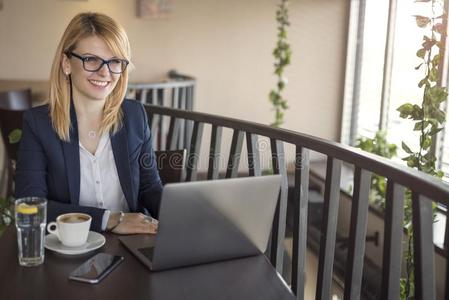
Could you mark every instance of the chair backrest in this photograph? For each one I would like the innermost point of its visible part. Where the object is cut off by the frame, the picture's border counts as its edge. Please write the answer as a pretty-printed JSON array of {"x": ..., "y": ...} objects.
[
  {"x": 12, "y": 106},
  {"x": 171, "y": 165},
  {"x": 15, "y": 100}
]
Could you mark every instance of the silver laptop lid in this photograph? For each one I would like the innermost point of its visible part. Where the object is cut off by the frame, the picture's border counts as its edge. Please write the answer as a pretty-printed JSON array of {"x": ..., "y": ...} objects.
[{"x": 214, "y": 220}]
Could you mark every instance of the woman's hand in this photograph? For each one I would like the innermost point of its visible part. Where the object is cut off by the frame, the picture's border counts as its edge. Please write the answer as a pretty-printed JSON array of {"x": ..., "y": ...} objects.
[{"x": 133, "y": 223}]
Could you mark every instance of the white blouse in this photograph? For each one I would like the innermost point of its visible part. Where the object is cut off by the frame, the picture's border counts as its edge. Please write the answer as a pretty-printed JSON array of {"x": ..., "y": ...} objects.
[{"x": 99, "y": 183}]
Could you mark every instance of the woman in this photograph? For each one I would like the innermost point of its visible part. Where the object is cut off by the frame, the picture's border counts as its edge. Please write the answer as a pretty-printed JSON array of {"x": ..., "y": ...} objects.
[{"x": 89, "y": 149}]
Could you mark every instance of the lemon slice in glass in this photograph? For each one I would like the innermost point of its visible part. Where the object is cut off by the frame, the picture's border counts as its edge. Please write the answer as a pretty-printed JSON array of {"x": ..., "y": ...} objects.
[{"x": 26, "y": 209}]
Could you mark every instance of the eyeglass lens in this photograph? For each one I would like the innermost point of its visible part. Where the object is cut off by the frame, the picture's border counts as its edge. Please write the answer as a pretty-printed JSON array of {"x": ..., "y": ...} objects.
[{"x": 92, "y": 64}]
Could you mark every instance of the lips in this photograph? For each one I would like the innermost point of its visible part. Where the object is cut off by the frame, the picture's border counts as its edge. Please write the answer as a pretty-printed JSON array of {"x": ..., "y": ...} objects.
[{"x": 99, "y": 83}]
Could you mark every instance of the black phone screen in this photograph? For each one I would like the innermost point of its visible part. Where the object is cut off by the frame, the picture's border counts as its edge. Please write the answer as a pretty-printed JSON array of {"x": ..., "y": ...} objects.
[{"x": 96, "y": 268}]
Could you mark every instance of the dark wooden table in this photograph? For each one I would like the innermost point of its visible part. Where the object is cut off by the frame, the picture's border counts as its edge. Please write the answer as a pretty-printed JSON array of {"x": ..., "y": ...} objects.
[{"x": 245, "y": 278}]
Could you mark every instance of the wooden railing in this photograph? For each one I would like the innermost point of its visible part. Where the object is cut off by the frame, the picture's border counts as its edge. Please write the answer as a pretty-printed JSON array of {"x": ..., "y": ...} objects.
[
  {"x": 425, "y": 189},
  {"x": 176, "y": 92}
]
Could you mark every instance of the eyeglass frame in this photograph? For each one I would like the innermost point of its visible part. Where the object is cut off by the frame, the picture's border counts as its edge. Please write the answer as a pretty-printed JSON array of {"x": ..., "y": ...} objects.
[{"x": 104, "y": 62}]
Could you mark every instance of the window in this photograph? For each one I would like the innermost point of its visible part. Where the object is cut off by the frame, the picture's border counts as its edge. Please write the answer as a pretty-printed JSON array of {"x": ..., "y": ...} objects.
[{"x": 382, "y": 44}]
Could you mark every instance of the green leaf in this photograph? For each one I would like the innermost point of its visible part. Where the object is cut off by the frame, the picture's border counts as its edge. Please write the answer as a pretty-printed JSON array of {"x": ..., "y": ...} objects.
[
  {"x": 437, "y": 93},
  {"x": 421, "y": 125},
  {"x": 427, "y": 142},
  {"x": 406, "y": 148},
  {"x": 436, "y": 59},
  {"x": 365, "y": 144},
  {"x": 281, "y": 85},
  {"x": 421, "y": 53},
  {"x": 423, "y": 82},
  {"x": 284, "y": 105},
  {"x": 283, "y": 34},
  {"x": 435, "y": 131},
  {"x": 274, "y": 98},
  {"x": 417, "y": 112},
  {"x": 433, "y": 74},
  {"x": 426, "y": 169},
  {"x": 15, "y": 136},
  {"x": 440, "y": 116},
  {"x": 405, "y": 110},
  {"x": 278, "y": 71},
  {"x": 411, "y": 163},
  {"x": 434, "y": 122}
]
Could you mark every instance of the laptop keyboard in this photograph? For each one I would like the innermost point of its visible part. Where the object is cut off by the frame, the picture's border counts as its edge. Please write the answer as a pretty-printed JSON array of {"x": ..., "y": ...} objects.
[{"x": 147, "y": 252}]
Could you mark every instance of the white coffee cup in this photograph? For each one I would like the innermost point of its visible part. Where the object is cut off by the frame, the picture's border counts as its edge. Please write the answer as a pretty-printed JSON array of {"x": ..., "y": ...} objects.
[{"x": 71, "y": 229}]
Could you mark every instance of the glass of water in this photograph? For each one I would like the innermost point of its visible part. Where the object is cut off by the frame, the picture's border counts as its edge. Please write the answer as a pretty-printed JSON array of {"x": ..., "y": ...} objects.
[{"x": 31, "y": 219}]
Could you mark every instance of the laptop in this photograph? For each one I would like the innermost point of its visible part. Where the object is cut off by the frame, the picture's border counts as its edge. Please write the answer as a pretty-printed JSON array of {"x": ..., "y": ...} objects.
[{"x": 208, "y": 221}]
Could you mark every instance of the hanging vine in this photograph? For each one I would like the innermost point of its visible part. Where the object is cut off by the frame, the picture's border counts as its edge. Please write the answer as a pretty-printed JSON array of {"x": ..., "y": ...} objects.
[
  {"x": 282, "y": 55},
  {"x": 428, "y": 120}
]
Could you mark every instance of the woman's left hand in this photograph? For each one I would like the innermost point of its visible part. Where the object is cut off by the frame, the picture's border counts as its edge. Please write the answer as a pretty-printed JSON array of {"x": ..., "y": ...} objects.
[{"x": 133, "y": 223}]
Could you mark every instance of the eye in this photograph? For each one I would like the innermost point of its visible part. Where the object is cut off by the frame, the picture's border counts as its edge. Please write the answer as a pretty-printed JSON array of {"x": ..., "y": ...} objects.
[
  {"x": 91, "y": 59},
  {"x": 115, "y": 61}
]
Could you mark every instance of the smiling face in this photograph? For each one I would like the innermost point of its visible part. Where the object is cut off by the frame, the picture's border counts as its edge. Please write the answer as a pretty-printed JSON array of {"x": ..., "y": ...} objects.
[{"x": 92, "y": 86}]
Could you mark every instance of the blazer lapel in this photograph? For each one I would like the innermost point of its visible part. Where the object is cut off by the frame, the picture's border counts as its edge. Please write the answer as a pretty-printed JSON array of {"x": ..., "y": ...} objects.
[
  {"x": 119, "y": 142},
  {"x": 72, "y": 158}
]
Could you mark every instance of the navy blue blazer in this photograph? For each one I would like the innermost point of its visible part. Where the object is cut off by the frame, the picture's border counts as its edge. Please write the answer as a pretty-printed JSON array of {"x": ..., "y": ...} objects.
[{"x": 49, "y": 167}]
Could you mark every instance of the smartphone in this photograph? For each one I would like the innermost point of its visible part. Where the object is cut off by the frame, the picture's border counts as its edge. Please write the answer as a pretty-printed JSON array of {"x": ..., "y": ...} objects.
[{"x": 96, "y": 268}]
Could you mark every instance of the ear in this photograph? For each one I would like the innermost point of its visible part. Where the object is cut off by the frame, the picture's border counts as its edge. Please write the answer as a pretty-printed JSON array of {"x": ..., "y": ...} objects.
[{"x": 65, "y": 64}]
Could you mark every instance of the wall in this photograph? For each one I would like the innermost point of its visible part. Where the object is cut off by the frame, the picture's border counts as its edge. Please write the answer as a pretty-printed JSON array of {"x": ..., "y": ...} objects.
[{"x": 227, "y": 45}]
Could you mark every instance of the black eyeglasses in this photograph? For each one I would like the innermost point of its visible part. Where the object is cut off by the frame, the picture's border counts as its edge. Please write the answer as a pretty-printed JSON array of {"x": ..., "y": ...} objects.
[{"x": 92, "y": 63}]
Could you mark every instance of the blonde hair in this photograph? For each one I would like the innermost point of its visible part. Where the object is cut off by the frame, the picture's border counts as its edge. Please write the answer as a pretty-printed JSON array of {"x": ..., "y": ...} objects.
[{"x": 81, "y": 26}]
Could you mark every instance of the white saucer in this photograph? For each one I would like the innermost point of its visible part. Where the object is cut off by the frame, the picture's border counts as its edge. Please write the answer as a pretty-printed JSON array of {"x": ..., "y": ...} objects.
[{"x": 94, "y": 241}]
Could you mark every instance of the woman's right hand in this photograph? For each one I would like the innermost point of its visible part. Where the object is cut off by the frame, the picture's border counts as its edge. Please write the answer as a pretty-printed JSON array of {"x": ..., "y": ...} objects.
[{"x": 132, "y": 223}]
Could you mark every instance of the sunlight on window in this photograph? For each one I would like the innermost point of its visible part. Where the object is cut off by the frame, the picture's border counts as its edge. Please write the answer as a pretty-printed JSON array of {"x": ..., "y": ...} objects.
[
  {"x": 403, "y": 86},
  {"x": 375, "y": 29},
  {"x": 404, "y": 80}
]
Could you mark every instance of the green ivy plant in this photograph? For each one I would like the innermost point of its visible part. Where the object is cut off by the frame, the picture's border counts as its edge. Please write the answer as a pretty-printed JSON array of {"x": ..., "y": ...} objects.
[
  {"x": 15, "y": 136},
  {"x": 282, "y": 55},
  {"x": 7, "y": 204},
  {"x": 6, "y": 213},
  {"x": 378, "y": 145},
  {"x": 428, "y": 120}
]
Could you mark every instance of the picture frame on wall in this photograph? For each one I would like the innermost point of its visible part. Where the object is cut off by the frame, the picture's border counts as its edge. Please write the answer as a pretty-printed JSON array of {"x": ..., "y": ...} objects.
[{"x": 154, "y": 9}]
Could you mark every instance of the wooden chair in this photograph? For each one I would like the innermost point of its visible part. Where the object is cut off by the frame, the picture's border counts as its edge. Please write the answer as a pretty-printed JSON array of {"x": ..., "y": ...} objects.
[
  {"x": 171, "y": 165},
  {"x": 12, "y": 106},
  {"x": 15, "y": 100}
]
